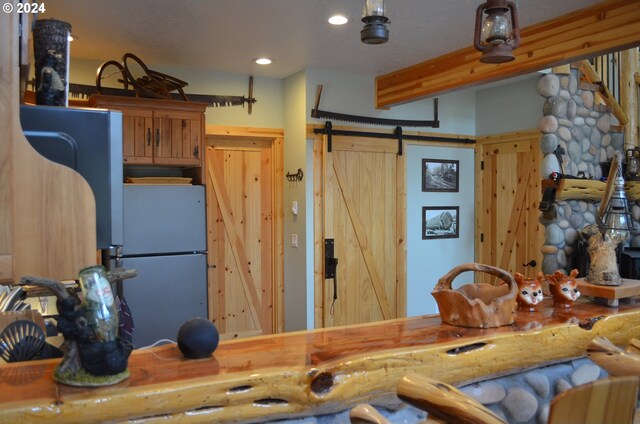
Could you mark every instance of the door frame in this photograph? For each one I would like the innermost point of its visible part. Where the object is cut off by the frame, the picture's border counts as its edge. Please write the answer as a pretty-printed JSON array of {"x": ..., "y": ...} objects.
[
  {"x": 483, "y": 178},
  {"x": 319, "y": 151},
  {"x": 276, "y": 137}
]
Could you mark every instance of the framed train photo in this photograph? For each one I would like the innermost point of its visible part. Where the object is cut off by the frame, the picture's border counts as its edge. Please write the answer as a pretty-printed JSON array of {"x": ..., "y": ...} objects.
[
  {"x": 440, "y": 222},
  {"x": 440, "y": 175}
]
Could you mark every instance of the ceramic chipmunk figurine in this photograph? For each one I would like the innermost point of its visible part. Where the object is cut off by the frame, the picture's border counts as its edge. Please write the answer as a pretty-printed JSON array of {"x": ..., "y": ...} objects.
[
  {"x": 564, "y": 288},
  {"x": 529, "y": 291}
]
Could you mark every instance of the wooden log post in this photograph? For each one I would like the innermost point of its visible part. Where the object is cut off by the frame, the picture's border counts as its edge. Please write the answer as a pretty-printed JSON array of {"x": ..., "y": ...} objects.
[
  {"x": 562, "y": 69},
  {"x": 592, "y": 75},
  {"x": 603, "y": 27},
  {"x": 629, "y": 95}
]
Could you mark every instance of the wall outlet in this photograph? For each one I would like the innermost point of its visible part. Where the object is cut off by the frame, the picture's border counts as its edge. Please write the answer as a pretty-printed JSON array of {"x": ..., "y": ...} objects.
[{"x": 294, "y": 240}]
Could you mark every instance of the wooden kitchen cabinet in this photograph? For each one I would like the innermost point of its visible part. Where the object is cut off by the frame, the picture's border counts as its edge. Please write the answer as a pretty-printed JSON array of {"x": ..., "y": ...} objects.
[{"x": 158, "y": 132}]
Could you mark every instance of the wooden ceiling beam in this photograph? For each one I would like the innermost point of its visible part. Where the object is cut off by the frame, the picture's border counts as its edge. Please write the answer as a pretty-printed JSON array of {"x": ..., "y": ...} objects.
[{"x": 604, "y": 27}]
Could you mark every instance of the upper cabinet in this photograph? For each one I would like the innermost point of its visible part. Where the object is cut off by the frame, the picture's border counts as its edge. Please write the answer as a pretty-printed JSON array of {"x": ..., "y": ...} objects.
[{"x": 158, "y": 132}]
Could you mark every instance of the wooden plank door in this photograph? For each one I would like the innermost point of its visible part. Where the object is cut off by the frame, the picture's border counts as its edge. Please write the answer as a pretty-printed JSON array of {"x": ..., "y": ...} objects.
[
  {"x": 241, "y": 237},
  {"x": 508, "y": 232},
  {"x": 363, "y": 216}
]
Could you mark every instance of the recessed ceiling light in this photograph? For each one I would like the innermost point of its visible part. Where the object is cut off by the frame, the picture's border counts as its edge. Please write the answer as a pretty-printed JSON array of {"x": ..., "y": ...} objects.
[
  {"x": 263, "y": 61},
  {"x": 338, "y": 20}
]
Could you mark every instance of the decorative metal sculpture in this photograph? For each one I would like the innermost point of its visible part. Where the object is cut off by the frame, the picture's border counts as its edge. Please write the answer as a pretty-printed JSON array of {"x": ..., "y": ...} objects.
[
  {"x": 21, "y": 340},
  {"x": 94, "y": 354},
  {"x": 138, "y": 80}
]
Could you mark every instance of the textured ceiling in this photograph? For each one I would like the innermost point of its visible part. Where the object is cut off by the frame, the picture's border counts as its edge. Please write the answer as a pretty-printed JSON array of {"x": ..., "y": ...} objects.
[{"x": 226, "y": 35}]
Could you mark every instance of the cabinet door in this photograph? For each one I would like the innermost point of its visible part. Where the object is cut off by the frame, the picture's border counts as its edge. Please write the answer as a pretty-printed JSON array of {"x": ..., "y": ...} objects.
[
  {"x": 178, "y": 138},
  {"x": 137, "y": 136}
]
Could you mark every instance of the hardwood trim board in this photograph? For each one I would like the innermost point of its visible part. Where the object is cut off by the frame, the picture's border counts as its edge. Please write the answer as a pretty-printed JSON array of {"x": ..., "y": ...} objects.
[{"x": 604, "y": 27}]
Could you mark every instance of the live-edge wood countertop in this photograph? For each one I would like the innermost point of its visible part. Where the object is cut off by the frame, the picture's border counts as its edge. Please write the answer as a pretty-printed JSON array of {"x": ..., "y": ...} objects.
[{"x": 310, "y": 372}]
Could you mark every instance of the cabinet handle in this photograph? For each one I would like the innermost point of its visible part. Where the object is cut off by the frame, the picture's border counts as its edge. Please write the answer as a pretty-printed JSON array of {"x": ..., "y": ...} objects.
[
  {"x": 148, "y": 136},
  {"x": 195, "y": 152},
  {"x": 157, "y": 137}
]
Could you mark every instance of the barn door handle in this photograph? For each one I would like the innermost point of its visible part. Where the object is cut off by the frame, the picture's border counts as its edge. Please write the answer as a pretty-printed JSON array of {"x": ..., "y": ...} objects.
[
  {"x": 532, "y": 263},
  {"x": 330, "y": 269},
  {"x": 330, "y": 263}
]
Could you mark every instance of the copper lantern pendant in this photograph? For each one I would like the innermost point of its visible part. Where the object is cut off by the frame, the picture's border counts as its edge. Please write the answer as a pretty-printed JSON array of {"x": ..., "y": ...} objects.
[{"x": 498, "y": 33}]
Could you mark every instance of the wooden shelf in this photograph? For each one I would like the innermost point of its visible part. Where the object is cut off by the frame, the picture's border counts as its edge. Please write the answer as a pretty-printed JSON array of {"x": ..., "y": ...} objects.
[
  {"x": 589, "y": 190},
  {"x": 629, "y": 288},
  {"x": 311, "y": 372}
]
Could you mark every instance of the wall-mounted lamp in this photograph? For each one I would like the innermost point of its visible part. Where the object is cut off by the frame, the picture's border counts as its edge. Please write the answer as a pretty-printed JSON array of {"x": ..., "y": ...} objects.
[
  {"x": 498, "y": 33},
  {"x": 375, "y": 29}
]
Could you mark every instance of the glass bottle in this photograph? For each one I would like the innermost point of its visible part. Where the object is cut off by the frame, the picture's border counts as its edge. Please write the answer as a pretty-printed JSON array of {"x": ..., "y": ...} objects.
[{"x": 102, "y": 313}]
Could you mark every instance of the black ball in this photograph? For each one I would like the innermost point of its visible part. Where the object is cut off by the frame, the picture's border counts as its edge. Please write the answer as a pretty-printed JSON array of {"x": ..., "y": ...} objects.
[{"x": 198, "y": 338}]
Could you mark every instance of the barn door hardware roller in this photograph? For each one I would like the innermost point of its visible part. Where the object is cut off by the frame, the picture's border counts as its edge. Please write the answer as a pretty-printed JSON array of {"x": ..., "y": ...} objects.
[
  {"x": 317, "y": 113},
  {"x": 329, "y": 131}
]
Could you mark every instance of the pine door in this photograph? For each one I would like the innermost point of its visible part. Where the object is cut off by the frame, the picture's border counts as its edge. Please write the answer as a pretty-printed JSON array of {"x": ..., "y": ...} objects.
[
  {"x": 509, "y": 235},
  {"x": 242, "y": 242},
  {"x": 361, "y": 218}
]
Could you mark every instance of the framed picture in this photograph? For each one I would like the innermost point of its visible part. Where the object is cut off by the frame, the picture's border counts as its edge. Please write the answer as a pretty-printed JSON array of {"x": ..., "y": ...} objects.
[
  {"x": 440, "y": 175},
  {"x": 440, "y": 222}
]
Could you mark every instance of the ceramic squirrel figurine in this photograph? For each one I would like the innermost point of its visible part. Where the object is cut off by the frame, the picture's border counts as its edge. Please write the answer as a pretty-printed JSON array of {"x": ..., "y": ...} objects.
[
  {"x": 564, "y": 288},
  {"x": 529, "y": 291}
]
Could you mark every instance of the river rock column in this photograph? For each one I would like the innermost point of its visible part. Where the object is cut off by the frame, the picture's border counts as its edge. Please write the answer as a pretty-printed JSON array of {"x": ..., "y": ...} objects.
[{"x": 575, "y": 139}]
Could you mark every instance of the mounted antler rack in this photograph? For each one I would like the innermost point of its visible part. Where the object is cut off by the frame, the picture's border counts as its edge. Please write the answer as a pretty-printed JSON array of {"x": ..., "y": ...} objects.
[
  {"x": 397, "y": 134},
  {"x": 295, "y": 177}
]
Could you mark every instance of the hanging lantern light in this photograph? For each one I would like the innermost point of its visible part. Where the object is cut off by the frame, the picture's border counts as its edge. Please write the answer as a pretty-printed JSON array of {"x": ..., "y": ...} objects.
[
  {"x": 616, "y": 221},
  {"x": 498, "y": 33},
  {"x": 375, "y": 29}
]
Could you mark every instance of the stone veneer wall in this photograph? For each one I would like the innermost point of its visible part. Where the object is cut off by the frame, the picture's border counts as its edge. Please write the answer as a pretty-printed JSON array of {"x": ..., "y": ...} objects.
[{"x": 574, "y": 123}]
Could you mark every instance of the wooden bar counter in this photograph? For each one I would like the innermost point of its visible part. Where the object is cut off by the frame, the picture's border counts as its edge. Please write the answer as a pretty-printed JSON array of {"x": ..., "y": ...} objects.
[{"x": 312, "y": 372}]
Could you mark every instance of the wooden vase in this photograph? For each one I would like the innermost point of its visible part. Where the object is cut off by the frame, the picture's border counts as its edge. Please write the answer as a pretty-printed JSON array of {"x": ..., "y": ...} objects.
[
  {"x": 476, "y": 305},
  {"x": 51, "y": 57}
]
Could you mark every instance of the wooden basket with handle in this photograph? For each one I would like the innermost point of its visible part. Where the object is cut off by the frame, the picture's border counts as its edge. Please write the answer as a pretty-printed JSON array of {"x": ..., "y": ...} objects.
[{"x": 476, "y": 305}]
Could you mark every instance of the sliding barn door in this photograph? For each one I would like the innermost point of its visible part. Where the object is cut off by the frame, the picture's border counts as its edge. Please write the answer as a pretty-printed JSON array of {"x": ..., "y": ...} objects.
[
  {"x": 362, "y": 216},
  {"x": 241, "y": 237},
  {"x": 508, "y": 233}
]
